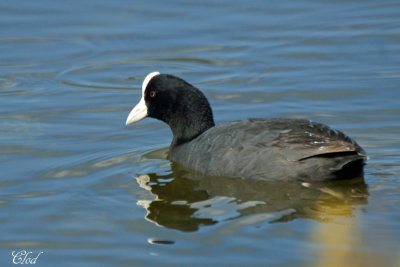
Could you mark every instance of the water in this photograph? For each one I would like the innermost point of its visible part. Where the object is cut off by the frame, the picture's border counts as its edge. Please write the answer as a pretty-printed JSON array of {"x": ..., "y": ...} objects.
[{"x": 79, "y": 186}]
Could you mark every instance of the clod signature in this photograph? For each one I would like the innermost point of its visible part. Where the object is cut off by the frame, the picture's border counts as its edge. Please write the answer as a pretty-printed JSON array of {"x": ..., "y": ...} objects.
[{"x": 24, "y": 257}]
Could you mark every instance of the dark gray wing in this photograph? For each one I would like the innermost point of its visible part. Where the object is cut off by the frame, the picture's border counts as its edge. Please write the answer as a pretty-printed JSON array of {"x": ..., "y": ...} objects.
[{"x": 261, "y": 147}]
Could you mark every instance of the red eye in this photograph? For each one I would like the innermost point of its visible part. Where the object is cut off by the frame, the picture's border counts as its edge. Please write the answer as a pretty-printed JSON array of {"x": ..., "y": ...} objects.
[{"x": 152, "y": 94}]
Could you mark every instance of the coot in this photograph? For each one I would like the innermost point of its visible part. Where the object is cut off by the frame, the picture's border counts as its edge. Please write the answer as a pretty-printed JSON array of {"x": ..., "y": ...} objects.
[{"x": 270, "y": 149}]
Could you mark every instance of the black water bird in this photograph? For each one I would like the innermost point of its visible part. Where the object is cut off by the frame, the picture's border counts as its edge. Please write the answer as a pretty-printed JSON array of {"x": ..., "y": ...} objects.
[{"x": 271, "y": 149}]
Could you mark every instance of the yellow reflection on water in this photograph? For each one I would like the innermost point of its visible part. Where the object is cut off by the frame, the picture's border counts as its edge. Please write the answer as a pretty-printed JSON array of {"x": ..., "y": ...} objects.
[{"x": 340, "y": 239}]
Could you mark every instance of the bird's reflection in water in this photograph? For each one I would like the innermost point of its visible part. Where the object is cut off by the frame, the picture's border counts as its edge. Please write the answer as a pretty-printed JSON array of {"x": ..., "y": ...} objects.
[{"x": 185, "y": 200}]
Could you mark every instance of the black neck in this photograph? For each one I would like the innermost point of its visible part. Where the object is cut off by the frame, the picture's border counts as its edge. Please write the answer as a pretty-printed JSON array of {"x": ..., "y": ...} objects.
[
  {"x": 191, "y": 116},
  {"x": 198, "y": 118}
]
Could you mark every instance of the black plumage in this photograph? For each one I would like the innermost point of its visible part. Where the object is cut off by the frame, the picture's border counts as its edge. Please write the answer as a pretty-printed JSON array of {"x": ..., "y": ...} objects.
[{"x": 271, "y": 149}]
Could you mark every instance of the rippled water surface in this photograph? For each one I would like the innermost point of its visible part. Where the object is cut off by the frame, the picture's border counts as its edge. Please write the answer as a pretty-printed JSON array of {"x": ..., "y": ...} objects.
[{"x": 85, "y": 190}]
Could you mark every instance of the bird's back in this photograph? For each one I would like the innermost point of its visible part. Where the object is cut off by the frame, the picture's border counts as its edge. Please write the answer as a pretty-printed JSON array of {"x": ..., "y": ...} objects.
[{"x": 272, "y": 149}]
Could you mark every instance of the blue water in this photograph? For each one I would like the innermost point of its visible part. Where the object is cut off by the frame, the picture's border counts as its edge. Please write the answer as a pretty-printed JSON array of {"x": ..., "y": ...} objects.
[{"x": 85, "y": 190}]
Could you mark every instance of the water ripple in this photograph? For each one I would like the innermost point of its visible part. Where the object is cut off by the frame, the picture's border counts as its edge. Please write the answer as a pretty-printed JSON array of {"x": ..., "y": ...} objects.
[{"x": 41, "y": 51}]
